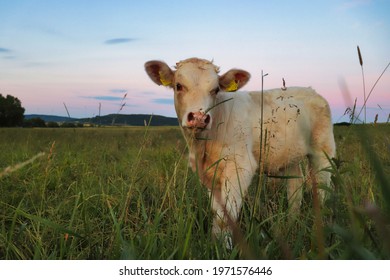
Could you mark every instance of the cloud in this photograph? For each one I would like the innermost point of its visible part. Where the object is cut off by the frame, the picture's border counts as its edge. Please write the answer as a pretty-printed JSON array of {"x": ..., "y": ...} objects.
[
  {"x": 105, "y": 98},
  {"x": 352, "y": 4},
  {"x": 131, "y": 105},
  {"x": 116, "y": 41},
  {"x": 163, "y": 101},
  {"x": 4, "y": 50},
  {"x": 118, "y": 90},
  {"x": 148, "y": 93}
]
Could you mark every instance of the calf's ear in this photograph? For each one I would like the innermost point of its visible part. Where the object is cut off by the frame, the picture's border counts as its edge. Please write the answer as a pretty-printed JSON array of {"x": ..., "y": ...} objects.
[
  {"x": 233, "y": 80},
  {"x": 159, "y": 72}
]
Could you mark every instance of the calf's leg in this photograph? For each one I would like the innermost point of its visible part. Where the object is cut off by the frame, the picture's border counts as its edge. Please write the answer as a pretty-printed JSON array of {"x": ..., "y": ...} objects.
[
  {"x": 227, "y": 199},
  {"x": 319, "y": 175},
  {"x": 294, "y": 189}
]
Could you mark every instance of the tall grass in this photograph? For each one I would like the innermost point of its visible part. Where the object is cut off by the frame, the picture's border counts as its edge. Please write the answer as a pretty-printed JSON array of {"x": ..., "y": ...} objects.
[
  {"x": 104, "y": 194},
  {"x": 127, "y": 193},
  {"x": 365, "y": 98}
]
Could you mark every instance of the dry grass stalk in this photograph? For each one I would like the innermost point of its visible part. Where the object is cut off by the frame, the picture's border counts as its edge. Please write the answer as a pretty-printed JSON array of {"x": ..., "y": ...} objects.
[
  {"x": 364, "y": 84},
  {"x": 376, "y": 119},
  {"x": 360, "y": 56},
  {"x": 67, "y": 111},
  {"x": 122, "y": 104},
  {"x": 10, "y": 169},
  {"x": 49, "y": 157},
  {"x": 351, "y": 112},
  {"x": 364, "y": 107}
]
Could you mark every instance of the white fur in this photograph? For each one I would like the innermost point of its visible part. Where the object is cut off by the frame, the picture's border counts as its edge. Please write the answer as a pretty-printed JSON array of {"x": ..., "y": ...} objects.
[
  {"x": 296, "y": 124},
  {"x": 290, "y": 119}
]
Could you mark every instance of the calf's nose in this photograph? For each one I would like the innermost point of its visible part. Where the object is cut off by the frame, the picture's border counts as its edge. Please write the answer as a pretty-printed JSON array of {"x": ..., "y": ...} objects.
[{"x": 198, "y": 120}]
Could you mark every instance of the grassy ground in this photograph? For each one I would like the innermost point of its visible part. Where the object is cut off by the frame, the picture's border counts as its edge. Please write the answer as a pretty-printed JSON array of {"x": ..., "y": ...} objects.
[{"x": 112, "y": 193}]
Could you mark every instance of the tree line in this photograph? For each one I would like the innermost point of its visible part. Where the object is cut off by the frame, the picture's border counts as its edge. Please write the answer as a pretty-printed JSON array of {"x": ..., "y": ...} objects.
[
  {"x": 12, "y": 115},
  {"x": 11, "y": 111}
]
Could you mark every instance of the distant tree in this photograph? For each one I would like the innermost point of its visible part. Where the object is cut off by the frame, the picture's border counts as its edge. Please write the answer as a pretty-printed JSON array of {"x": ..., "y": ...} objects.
[
  {"x": 68, "y": 125},
  {"x": 34, "y": 122},
  {"x": 11, "y": 111},
  {"x": 52, "y": 124}
]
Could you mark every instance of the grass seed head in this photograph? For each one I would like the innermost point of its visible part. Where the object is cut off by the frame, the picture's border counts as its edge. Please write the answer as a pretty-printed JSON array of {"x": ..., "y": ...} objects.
[{"x": 360, "y": 56}]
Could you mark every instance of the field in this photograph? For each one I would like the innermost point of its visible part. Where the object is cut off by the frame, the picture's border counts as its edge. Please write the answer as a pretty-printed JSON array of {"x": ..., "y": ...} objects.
[{"x": 127, "y": 193}]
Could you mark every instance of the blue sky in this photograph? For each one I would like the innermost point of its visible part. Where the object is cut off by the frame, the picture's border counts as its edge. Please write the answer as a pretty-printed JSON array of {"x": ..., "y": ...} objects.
[{"x": 83, "y": 53}]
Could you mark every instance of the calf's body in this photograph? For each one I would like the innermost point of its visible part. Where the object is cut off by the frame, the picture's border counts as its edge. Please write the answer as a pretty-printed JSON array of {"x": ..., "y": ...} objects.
[{"x": 223, "y": 132}]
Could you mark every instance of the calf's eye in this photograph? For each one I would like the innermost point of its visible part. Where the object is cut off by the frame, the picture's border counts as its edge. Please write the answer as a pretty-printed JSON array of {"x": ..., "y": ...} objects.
[
  {"x": 215, "y": 91},
  {"x": 179, "y": 87}
]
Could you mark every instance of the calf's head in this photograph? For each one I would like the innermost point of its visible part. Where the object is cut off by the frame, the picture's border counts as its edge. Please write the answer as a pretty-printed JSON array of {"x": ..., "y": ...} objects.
[{"x": 196, "y": 84}]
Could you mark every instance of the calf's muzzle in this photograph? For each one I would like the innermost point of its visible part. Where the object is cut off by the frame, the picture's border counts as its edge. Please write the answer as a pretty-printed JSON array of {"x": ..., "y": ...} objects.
[{"x": 198, "y": 120}]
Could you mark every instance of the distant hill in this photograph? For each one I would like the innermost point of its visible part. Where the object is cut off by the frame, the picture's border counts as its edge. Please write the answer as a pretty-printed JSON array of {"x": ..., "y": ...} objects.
[
  {"x": 113, "y": 119},
  {"x": 343, "y": 124},
  {"x": 49, "y": 118},
  {"x": 133, "y": 120}
]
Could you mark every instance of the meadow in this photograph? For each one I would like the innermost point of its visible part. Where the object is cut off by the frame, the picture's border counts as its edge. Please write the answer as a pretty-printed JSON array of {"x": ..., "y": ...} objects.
[{"x": 127, "y": 193}]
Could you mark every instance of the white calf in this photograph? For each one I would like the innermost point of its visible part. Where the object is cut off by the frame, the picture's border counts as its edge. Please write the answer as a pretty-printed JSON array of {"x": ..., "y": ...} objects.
[{"x": 222, "y": 130}]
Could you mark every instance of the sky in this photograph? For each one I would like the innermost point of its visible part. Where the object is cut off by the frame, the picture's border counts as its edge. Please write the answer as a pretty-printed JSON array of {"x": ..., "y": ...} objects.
[{"x": 89, "y": 54}]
